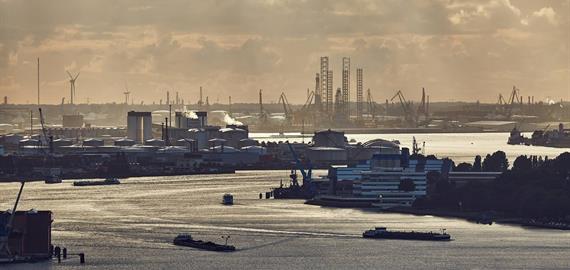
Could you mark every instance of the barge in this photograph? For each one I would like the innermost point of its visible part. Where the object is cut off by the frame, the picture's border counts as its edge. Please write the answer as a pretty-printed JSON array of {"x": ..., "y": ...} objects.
[
  {"x": 383, "y": 233},
  {"x": 107, "y": 181},
  {"x": 187, "y": 241}
]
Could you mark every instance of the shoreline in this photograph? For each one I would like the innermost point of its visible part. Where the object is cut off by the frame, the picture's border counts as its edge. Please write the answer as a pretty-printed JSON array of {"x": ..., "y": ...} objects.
[{"x": 477, "y": 218}]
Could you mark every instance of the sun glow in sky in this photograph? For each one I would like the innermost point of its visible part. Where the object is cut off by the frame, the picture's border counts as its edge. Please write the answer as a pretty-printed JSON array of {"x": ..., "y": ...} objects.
[{"x": 457, "y": 50}]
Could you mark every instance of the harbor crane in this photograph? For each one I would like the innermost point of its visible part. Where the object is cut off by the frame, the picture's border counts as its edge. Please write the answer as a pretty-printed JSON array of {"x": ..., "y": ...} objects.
[
  {"x": 286, "y": 106},
  {"x": 423, "y": 108},
  {"x": 309, "y": 101},
  {"x": 507, "y": 106},
  {"x": 305, "y": 190},
  {"x": 406, "y": 108},
  {"x": 7, "y": 230},
  {"x": 306, "y": 172},
  {"x": 46, "y": 139},
  {"x": 515, "y": 96},
  {"x": 501, "y": 100},
  {"x": 51, "y": 177}
]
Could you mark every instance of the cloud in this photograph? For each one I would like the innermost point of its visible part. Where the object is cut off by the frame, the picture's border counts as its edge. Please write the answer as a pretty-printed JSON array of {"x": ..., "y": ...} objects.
[
  {"x": 547, "y": 13},
  {"x": 458, "y": 49}
]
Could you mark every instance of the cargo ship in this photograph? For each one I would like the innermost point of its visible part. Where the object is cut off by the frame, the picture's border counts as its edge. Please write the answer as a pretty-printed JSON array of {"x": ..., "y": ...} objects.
[
  {"x": 107, "y": 181},
  {"x": 187, "y": 241},
  {"x": 383, "y": 233},
  {"x": 550, "y": 138}
]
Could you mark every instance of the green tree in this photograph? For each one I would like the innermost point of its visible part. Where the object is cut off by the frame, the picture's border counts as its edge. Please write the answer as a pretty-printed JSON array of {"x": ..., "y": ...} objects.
[
  {"x": 463, "y": 167},
  {"x": 477, "y": 164},
  {"x": 497, "y": 162},
  {"x": 522, "y": 164}
]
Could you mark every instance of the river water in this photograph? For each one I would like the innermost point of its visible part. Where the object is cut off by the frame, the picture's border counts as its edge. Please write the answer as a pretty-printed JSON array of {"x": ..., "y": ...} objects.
[
  {"x": 131, "y": 226},
  {"x": 461, "y": 147}
]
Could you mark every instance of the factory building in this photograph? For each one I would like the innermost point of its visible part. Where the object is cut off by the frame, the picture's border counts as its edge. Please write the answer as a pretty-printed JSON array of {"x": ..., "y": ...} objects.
[
  {"x": 233, "y": 136},
  {"x": 187, "y": 120},
  {"x": 326, "y": 155},
  {"x": 329, "y": 138},
  {"x": 72, "y": 121},
  {"x": 139, "y": 126}
]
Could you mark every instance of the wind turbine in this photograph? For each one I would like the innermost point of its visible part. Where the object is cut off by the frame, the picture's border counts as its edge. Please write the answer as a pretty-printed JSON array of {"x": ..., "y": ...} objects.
[
  {"x": 72, "y": 80},
  {"x": 127, "y": 93}
]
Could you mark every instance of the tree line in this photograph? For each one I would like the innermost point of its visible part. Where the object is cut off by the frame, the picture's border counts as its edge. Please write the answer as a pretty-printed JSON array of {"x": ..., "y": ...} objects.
[{"x": 534, "y": 187}]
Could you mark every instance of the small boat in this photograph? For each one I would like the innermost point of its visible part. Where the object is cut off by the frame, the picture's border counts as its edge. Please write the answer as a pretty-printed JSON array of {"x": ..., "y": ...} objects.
[
  {"x": 187, "y": 241},
  {"x": 228, "y": 199},
  {"x": 52, "y": 179},
  {"x": 107, "y": 181},
  {"x": 383, "y": 233}
]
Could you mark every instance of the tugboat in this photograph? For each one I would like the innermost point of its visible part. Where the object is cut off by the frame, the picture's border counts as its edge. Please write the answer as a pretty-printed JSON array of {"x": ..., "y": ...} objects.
[
  {"x": 293, "y": 191},
  {"x": 383, "y": 233},
  {"x": 515, "y": 137},
  {"x": 107, "y": 181},
  {"x": 187, "y": 241},
  {"x": 228, "y": 199}
]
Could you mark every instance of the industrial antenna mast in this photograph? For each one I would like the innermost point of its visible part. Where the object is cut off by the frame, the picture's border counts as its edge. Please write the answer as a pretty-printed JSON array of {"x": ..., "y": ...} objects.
[
  {"x": 324, "y": 89},
  {"x": 359, "y": 94},
  {"x": 330, "y": 92},
  {"x": 346, "y": 87}
]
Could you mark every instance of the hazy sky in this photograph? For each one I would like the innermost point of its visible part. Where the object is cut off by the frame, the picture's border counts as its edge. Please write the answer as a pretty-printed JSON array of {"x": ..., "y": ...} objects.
[{"x": 456, "y": 49}]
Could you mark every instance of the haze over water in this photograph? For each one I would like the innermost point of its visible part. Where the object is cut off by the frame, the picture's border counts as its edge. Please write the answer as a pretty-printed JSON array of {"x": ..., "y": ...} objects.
[{"x": 461, "y": 147}]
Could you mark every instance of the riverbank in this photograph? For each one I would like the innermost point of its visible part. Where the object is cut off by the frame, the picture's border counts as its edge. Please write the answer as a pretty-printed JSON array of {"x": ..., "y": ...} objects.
[
  {"x": 16, "y": 178},
  {"x": 482, "y": 217}
]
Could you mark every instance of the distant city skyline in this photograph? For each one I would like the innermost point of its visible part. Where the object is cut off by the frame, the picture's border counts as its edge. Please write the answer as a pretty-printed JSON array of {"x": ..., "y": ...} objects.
[{"x": 457, "y": 50}]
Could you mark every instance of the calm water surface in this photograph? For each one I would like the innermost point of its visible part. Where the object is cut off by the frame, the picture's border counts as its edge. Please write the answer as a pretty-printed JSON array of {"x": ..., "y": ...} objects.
[
  {"x": 461, "y": 147},
  {"x": 131, "y": 226}
]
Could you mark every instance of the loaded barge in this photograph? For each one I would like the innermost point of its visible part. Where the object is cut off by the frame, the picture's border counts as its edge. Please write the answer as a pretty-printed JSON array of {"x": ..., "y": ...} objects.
[
  {"x": 187, "y": 241},
  {"x": 383, "y": 233},
  {"x": 107, "y": 181}
]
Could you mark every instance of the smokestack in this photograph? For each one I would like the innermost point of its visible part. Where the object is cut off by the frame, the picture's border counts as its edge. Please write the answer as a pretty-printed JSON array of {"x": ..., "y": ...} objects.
[
  {"x": 260, "y": 102},
  {"x": 200, "y": 101},
  {"x": 230, "y": 104}
]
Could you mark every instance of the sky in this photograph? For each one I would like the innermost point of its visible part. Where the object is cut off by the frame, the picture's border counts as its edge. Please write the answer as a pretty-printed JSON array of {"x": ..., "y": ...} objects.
[{"x": 457, "y": 50}]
